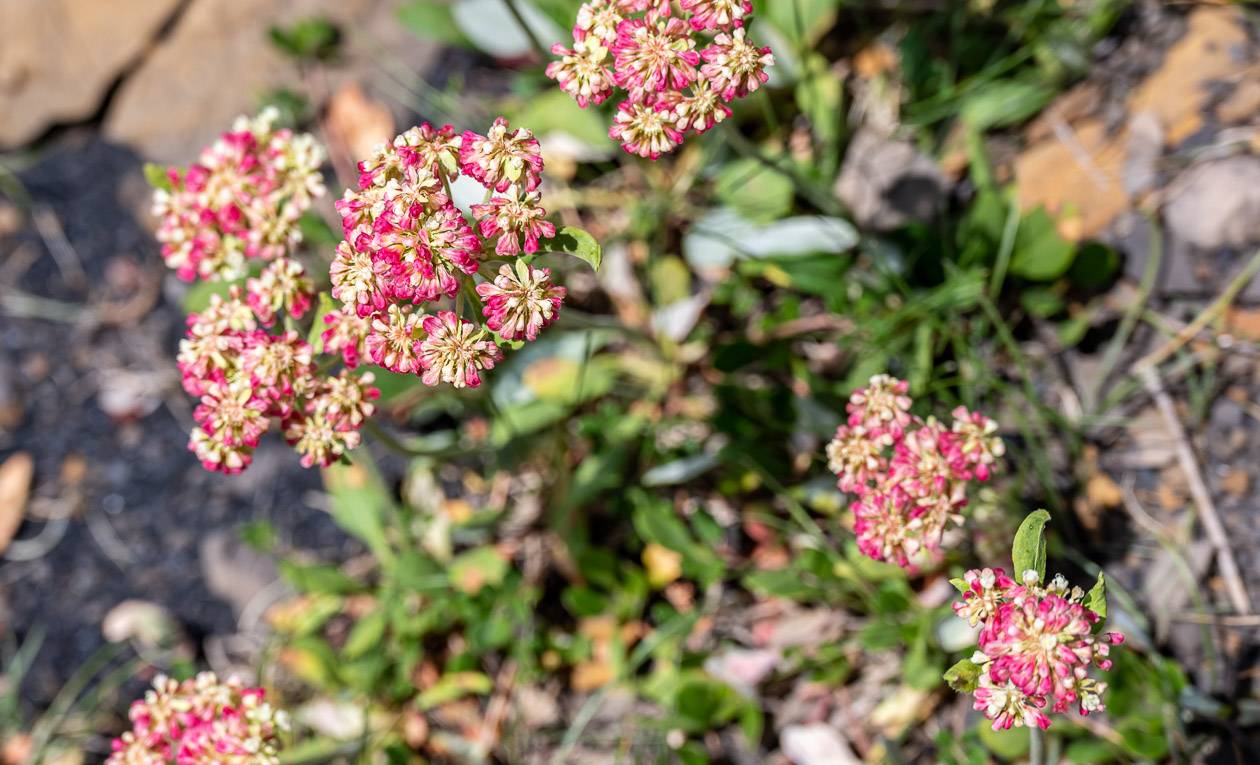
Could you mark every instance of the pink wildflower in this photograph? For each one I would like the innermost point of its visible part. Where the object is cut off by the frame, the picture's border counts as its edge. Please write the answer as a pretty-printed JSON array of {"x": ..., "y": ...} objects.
[
  {"x": 282, "y": 287},
  {"x": 519, "y": 224},
  {"x": 716, "y": 14},
  {"x": 346, "y": 334},
  {"x": 394, "y": 339},
  {"x": 502, "y": 158},
  {"x": 654, "y": 55},
  {"x": 521, "y": 302},
  {"x": 734, "y": 66},
  {"x": 644, "y": 130},
  {"x": 455, "y": 351},
  {"x": 583, "y": 71}
]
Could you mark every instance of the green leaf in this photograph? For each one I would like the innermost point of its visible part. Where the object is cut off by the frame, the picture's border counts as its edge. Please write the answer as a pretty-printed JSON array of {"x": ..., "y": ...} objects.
[
  {"x": 1041, "y": 254},
  {"x": 579, "y": 244},
  {"x": 1004, "y": 102},
  {"x": 316, "y": 231},
  {"x": 963, "y": 676},
  {"x": 366, "y": 635},
  {"x": 1010, "y": 744},
  {"x": 452, "y": 686},
  {"x": 477, "y": 568},
  {"x": 316, "y": 336},
  {"x": 1095, "y": 266},
  {"x": 1029, "y": 551},
  {"x": 758, "y": 193},
  {"x": 198, "y": 296},
  {"x": 553, "y": 111},
  {"x": 960, "y": 585},
  {"x": 156, "y": 176},
  {"x": 432, "y": 20},
  {"x": 314, "y": 38},
  {"x": 360, "y": 503},
  {"x": 1096, "y": 599},
  {"x": 318, "y": 578}
]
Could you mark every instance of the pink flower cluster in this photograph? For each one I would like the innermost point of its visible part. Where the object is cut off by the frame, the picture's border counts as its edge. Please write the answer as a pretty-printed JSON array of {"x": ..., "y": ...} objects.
[
  {"x": 201, "y": 721},
  {"x": 407, "y": 244},
  {"x": 679, "y": 73},
  {"x": 241, "y": 201},
  {"x": 910, "y": 476},
  {"x": 246, "y": 378},
  {"x": 1036, "y": 647}
]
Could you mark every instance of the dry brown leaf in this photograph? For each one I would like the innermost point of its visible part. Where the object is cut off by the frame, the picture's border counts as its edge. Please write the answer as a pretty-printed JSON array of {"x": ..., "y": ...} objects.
[
  {"x": 1074, "y": 167},
  {"x": 356, "y": 123},
  {"x": 15, "y": 486},
  {"x": 1103, "y": 491},
  {"x": 1243, "y": 323},
  {"x": 589, "y": 675},
  {"x": 1236, "y": 483}
]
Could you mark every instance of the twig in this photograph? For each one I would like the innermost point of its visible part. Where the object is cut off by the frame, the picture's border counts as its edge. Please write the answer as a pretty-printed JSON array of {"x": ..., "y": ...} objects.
[
  {"x": 1111, "y": 356},
  {"x": 68, "y": 263},
  {"x": 1208, "y": 516},
  {"x": 1191, "y": 330}
]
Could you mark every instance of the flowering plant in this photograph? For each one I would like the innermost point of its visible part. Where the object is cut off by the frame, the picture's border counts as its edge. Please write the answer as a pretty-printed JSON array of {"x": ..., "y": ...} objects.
[
  {"x": 1037, "y": 641},
  {"x": 909, "y": 476},
  {"x": 201, "y": 721},
  {"x": 406, "y": 244},
  {"x": 678, "y": 72}
]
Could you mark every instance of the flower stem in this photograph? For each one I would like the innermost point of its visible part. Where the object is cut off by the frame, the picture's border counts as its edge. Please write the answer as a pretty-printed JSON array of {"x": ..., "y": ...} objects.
[
  {"x": 1036, "y": 746},
  {"x": 529, "y": 32}
]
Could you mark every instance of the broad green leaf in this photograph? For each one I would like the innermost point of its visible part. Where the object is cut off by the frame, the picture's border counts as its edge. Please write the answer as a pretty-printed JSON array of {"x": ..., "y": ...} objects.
[
  {"x": 1041, "y": 254},
  {"x": 963, "y": 676},
  {"x": 1029, "y": 551},
  {"x": 1004, "y": 102},
  {"x": 1096, "y": 599},
  {"x": 491, "y": 27},
  {"x": 316, "y": 231},
  {"x": 316, "y": 336},
  {"x": 477, "y": 568},
  {"x": 432, "y": 20},
  {"x": 361, "y": 503},
  {"x": 579, "y": 244},
  {"x": 1010, "y": 744},
  {"x": 313, "y": 38},
  {"x": 366, "y": 635},
  {"x": 319, "y": 578},
  {"x": 758, "y": 193},
  {"x": 723, "y": 236},
  {"x": 553, "y": 113},
  {"x": 157, "y": 177},
  {"x": 198, "y": 296},
  {"x": 1095, "y": 266},
  {"x": 452, "y": 686}
]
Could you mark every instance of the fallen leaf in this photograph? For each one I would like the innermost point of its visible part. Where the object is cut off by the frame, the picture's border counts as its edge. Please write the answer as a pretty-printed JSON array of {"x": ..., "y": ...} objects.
[
  {"x": 1236, "y": 483},
  {"x": 15, "y": 486},
  {"x": 589, "y": 675},
  {"x": 904, "y": 707},
  {"x": 816, "y": 744},
  {"x": 357, "y": 123}
]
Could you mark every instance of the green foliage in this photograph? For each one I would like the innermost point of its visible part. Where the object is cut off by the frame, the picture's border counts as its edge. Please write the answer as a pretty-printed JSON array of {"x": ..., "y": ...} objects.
[
  {"x": 1028, "y": 553},
  {"x": 311, "y": 39}
]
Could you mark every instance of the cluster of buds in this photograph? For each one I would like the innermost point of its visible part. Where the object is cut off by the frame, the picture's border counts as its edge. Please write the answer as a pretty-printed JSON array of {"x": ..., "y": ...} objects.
[
  {"x": 241, "y": 201},
  {"x": 1036, "y": 647},
  {"x": 407, "y": 244},
  {"x": 909, "y": 476},
  {"x": 246, "y": 378},
  {"x": 678, "y": 71},
  {"x": 201, "y": 721}
]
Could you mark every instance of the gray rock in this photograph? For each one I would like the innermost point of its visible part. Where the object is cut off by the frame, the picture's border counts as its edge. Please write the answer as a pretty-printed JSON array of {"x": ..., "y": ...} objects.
[
  {"x": 59, "y": 57},
  {"x": 218, "y": 63},
  {"x": 1216, "y": 204},
  {"x": 887, "y": 183}
]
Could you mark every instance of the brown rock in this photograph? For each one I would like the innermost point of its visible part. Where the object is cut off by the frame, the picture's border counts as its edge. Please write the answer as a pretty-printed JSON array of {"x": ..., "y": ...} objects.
[
  {"x": 60, "y": 56},
  {"x": 218, "y": 63}
]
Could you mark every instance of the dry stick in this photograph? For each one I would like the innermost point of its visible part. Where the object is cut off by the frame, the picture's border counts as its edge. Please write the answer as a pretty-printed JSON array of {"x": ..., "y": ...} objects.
[{"x": 1208, "y": 516}]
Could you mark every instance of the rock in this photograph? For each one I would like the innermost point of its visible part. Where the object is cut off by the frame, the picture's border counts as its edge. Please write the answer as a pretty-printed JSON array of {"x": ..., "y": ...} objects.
[
  {"x": 1078, "y": 169},
  {"x": 1216, "y": 204},
  {"x": 816, "y": 744},
  {"x": 59, "y": 58},
  {"x": 233, "y": 571},
  {"x": 887, "y": 183},
  {"x": 227, "y": 39}
]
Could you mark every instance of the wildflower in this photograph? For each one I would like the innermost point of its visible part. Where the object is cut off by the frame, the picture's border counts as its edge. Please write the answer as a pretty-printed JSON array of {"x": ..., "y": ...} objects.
[
  {"x": 514, "y": 220},
  {"x": 734, "y": 66},
  {"x": 455, "y": 351},
  {"x": 1036, "y": 646},
  {"x": 317, "y": 438},
  {"x": 600, "y": 19},
  {"x": 654, "y": 55},
  {"x": 582, "y": 71},
  {"x": 216, "y": 456},
  {"x": 358, "y": 279},
  {"x": 716, "y": 14},
  {"x": 909, "y": 476},
  {"x": 210, "y": 350},
  {"x": 430, "y": 256},
  {"x": 346, "y": 400},
  {"x": 279, "y": 367},
  {"x": 644, "y": 130},
  {"x": 393, "y": 340},
  {"x": 502, "y": 158},
  {"x": 233, "y": 413},
  {"x": 200, "y": 721},
  {"x": 521, "y": 302},
  {"x": 240, "y": 201},
  {"x": 700, "y": 111},
  {"x": 346, "y": 334},
  {"x": 427, "y": 148},
  {"x": 282, "y": 287}
]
